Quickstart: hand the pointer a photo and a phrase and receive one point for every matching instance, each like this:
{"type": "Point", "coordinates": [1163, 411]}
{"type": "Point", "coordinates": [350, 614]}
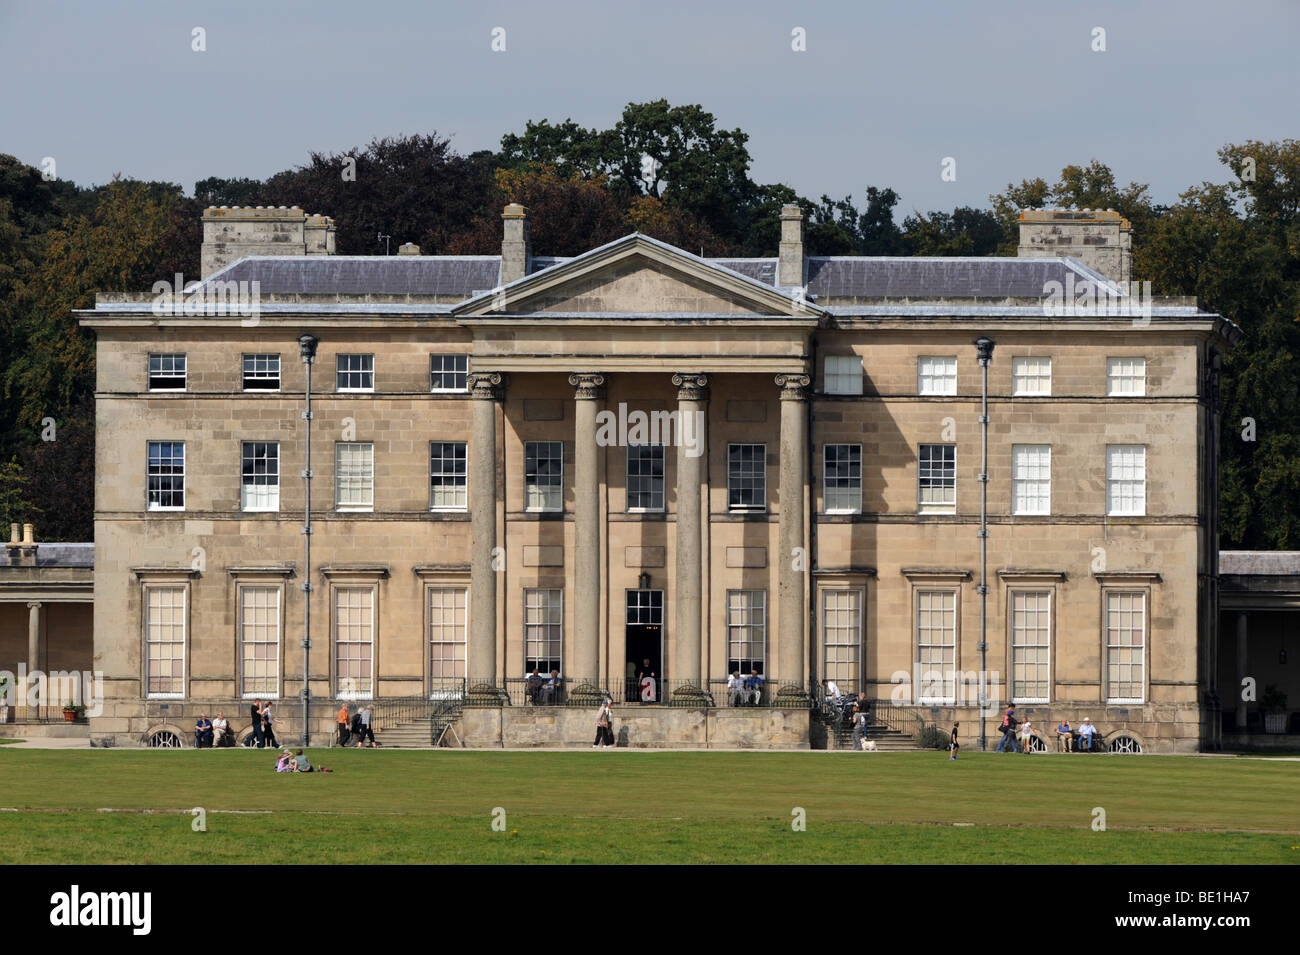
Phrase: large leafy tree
{"type": "Point", "coordinates": [411, 188]}
{"type": "Point", "coordinates": [1235, 247]}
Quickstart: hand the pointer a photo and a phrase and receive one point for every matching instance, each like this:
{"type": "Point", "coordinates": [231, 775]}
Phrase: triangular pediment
{"type": "Point", "coordinates": [637, 275]}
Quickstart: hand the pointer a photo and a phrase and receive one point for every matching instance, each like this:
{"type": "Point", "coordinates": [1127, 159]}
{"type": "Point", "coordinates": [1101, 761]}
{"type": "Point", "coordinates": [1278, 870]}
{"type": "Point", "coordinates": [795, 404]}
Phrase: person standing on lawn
{"type": "Point", "coordinates": [343, 725]}
{"type": "Point", "coordinates": [268, 733]}
{"type": "Point", "coordinates": [1008, 742]}
{"type": "Point", "coordinates": [604, 720]}
{"type": "Point", "coordinates": [953, 745]}
{"type": "Point", "coordinates": [255, 713]}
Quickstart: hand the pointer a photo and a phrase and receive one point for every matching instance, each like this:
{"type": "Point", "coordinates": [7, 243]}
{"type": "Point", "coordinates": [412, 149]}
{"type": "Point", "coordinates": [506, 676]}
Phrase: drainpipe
{"type": "Point", "coordinates": [984, 349]}
{"type": "Point", "coordinates": [812, 528]}
{"type": "Point", "coordinates": [307, 344]}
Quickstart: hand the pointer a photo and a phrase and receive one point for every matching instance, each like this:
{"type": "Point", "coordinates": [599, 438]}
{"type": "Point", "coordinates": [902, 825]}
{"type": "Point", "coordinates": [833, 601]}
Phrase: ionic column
{"type": "Point", "coordinates": [588, 389]}
{"type": "Point", "coordinates": [692, 400]}
{"type": "Point", "coordinates": [33, 651]}
{"type": "Point", "coordinates": [792, 562]}
{"type": "Point", "coordinates": [1241, 671]}
{"type": "Point", "coordinates": [485, 390]}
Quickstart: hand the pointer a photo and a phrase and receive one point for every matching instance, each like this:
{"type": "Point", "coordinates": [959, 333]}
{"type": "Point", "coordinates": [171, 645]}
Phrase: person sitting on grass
{"type": "Point", "coordinates": [202, 732]}
{"type": "Point", "coordinates": [300, 764]}
{"type": "Point", "coordinates": [284, 763]}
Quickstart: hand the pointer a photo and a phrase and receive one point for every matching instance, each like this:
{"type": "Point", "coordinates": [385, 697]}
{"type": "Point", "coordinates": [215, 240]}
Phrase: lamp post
{"type": "Point", "coordinates": [307, 345]}
{"type": "Point", "coordinates": [984, 350]}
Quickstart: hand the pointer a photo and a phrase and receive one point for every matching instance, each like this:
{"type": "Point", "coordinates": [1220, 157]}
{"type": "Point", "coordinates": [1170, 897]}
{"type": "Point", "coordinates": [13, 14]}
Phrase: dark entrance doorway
{"type": "Point", "coordinates": [645, 646]}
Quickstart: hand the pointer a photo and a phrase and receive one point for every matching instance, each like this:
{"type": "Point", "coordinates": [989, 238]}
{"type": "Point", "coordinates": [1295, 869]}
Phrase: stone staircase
{"type": "Point", "coordinates": [423, 733]}
{"type": "Point", "coordinates": [886, 739]}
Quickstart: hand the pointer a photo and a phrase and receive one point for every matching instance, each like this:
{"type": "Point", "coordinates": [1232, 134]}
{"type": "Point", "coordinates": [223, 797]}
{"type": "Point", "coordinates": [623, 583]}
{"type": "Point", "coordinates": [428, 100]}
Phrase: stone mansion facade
{"type": "Point", "coordinates": [640, 460]}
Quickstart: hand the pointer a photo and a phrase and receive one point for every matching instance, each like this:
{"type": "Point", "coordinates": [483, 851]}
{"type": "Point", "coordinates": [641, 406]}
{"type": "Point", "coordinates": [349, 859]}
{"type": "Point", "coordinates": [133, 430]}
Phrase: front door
{"type": "Point", "coordinates": [645, 646]}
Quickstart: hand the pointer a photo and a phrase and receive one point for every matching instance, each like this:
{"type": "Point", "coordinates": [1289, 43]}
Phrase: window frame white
{"type": "Point", "coordinates": [353, 507]}
{"type": "Point", "coordinates": [367, 368]}
{"type": "Point", "coordinates": [657, 482]}
{"type": "Point", "coordinates": [441, 373]}
{"type": "Point", "coordinates": [933, 379]}
{"type": "Point", "coordinates": [1120, 487]}
{"type": "Point", "coordinates": [159, 587]}
{"type": "Point", "coordinates": [852, 647]}
{"type": "Point", "coordinates": [551, 601]}
{"type": "Point", "coordinates": [175, 359]}
{"type": "Point", "coordinates": [459, 479]}
{"type": "Point", "coordinates": [371, 627]}
{"type": "Point", "coordinates": [245, 475]}
{"type": "Point", "coordinates": [842, 492]}
{"type": "Point", "coordinates": [748, 609]}
{"type": "Point", "coordinates": [534, 489]}
{"type": "Point", "coordinates": [1109, 646]}
{"type": "Point", "coordinates": [161, 475]}
{"type": "Point", "coordinates": [759, 478]}
{"type": "Point", "coordinates": [275, 617]}
{"type": "Point", "coordinates": [1117, 374]}
{"type": "Point", "coordinates": [923, 473]}
{"type": "Point", "coordinates": [842, 375]}
{"type": "Point", "coordinates": [1027, 377]}
{"type": "Point", "coordinates": [436, 619]}
{"type": "Point", "coordinates": [1031, 489]}
{"type": "Point", "coordinates": [1042, 612]}
{"type": "Point", "coordinates": [260, 375]}
{"type": "Point", "coordinates": [947, 651]}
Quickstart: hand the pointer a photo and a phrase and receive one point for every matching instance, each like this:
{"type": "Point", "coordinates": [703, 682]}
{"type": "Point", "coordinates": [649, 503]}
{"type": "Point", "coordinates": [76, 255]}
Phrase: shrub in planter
{"type": "Point", "coordinates": [1273, 703]}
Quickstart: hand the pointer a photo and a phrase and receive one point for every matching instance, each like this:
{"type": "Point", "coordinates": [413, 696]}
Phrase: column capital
{"type": "Point", "coordinates": [587, 385]}
{"type": "Point", "coordinates": [793, 387]}
{"type": "Point", "coordinates": [691, 387]}
{"type": "Point", "coordinates": [486, 385]}
{"type": "Point", "coordinates": [33, 605]}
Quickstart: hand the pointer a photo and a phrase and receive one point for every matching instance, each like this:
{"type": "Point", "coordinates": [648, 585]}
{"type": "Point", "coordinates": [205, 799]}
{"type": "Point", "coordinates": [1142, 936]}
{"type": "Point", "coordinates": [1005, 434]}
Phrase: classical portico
{"type": "Point", "coordinates": [675, 311]}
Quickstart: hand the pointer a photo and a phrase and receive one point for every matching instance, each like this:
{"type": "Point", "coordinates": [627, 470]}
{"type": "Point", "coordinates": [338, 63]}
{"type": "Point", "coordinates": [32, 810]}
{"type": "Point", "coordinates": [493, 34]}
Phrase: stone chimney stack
{"type": "Point", "coordinates": [230, 233]}
{"type": "Point", "coordinates": [516, 247]}
{"type": "Point", "coordinates": [790, 267]}
{"type": "Point", "coordinates": [22, 553]}
{"type": "Point", "coordinates": [1101, 239]}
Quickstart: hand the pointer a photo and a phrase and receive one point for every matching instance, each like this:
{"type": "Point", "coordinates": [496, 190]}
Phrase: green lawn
{"type": "Point", "coordinates": [391, 806]}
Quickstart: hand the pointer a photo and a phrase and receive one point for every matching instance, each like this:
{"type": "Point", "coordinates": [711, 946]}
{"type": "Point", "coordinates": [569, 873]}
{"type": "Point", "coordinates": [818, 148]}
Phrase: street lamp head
{"type": "Point", "coordinates": [307, 344]}
{"type": "Point", "coordinates": [984, 349]}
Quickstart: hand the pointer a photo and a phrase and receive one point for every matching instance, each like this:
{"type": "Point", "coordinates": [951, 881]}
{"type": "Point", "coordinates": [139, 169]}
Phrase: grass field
{"type": "Point", "coordinates": [699, 807]}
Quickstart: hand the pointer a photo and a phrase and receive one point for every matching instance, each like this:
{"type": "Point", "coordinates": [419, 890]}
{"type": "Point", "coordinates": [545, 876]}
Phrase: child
{"type": "Point", "coordinates": [282, 766]}
{"type": "Point", "coordinates": [953, 745]}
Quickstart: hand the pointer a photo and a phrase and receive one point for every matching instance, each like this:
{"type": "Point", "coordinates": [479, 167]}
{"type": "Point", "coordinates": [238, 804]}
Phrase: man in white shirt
{"type": "Point", "coordinates": [219, 727]}
{"type": "Point", "coordinates": [832, 691]}
{"type": "Point", "coordinates": [1085, 733]}
{"type": "Point", "coordinates": [735, 690]}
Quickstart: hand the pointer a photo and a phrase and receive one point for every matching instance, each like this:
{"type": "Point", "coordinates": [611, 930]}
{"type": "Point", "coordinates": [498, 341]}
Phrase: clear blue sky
{"type": "Point", "coordinates": [885, 90]}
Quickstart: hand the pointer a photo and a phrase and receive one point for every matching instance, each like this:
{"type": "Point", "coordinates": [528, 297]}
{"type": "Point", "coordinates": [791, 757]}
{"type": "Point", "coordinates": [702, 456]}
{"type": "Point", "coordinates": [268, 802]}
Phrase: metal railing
{"type": "Point", "coordinates": [713, 694]}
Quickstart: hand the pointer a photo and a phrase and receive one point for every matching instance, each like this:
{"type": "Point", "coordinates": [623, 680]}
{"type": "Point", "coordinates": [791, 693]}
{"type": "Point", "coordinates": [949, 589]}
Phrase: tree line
{"type": "Point", "coordinates": [666, 171]}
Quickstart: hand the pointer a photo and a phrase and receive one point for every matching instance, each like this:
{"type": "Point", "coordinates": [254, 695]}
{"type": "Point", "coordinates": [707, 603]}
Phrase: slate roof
{"type": "Point", "coordinates": [988, 277]}
{"type": "Point", "coordinates": [829, 278]}
{"type": "Point", "coordinates": [459, 275]}
{"type": "Point", "coordinates": [1280, 563]}
{"type": "Point", "coordinates": [58, 555]}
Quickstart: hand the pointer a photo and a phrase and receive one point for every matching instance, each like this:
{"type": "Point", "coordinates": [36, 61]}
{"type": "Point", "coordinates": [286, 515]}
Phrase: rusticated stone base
{"type": "Point", "coordinates": [636, 727]}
